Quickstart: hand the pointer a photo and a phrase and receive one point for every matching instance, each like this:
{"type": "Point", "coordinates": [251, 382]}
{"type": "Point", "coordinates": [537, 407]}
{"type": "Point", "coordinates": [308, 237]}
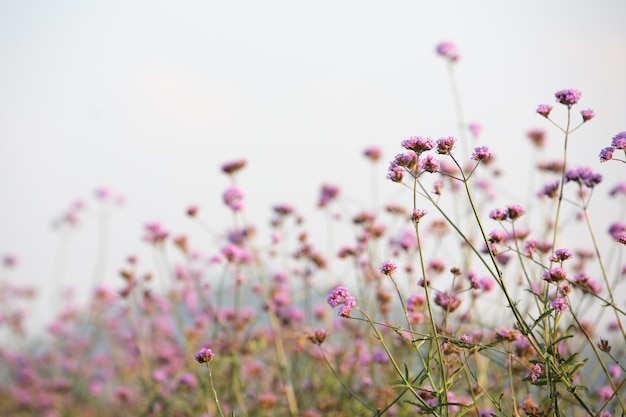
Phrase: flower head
{"type": "Point", "coordinates": [544, 109]}
{"type": "Point", "coordinates": [537, 137]}
{"type": "Point", "coordinates": [388, 268]}
{"type": "Point", "coordinates": [498, 214]}
{"type": "Point", "coordinates": [346, 308]}
{"type": "Point", "coordinates": [233, 198]}
{"type": "Point", "coordinates": [430, 164]}
{"type": "Point", "coordinates": [448, 50]}
{"type": "Point", "coordinates": [395, 173]}
{"type": "Point", "coordinates": [233, 166]}
{"type": "Point", "coordinates": [445, 145]}
{"type": "Point", "coordinates": [482, 153]}
{"type": "Point", "coordinates": [328, 193]}
{"type": "Point", "coordinates": [568, 97]}
{"type": "Point", "coordinates": [560, 255]}
{"type": "Point", "coordinates": [418, 144]}
{"type": "Point", "coordinates": [318, 336]}
{"type": "Point", "coordinates": [337, 296]}
{"type": "Point", "coordinates": [373, 153]}
{"type": "Point", "coordinates": [555, 275]}
{"type": "Point", "coordinates": [606, 154]}
{"type": "Point", "coordinates": [559, 304]}
{"type": "Point", "coordinates": [619, 141]}
{"type": "Point", "coordinates": [204, 355]}
{"type": "Point", "coordinates": [514, 211]}
{"type": "Point", "coordinates": [587, 115]}
{"type": "Point", "coordinates": [583, 176]}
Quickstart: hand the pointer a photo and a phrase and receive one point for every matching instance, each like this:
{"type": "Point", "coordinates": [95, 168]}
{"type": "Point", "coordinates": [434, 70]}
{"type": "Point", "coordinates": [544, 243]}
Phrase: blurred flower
{"type": "Point", "coordinates": [448, 50]}
{"type": "Point", "coordinates": [204, 355]}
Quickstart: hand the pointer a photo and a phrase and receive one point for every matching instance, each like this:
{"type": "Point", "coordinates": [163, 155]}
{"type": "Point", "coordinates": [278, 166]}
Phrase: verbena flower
{"type": "Point", "coordinates": [619, 141]}
{"type": "Point", "coordinates": [559, 304]}
{"type": "Point", "coordinates": [418, 144]}
{"type": "Point", "coordinates": [514, 211]}
{"type": "Point", "coordinates": [561, 255]}
{"type": "Point", "coordinates": [388, 268]}
{"type": "Point", "coordinates": [583, 176]}
{"type": "Point", "coordinates": [544, 109]}
{"type": "Point", "coordinates": [550, 190]}
{"type": "Point", "coordinates": [587, 115]}
{"type": "Point", "coordinates": [448, 50]}
{"type": "Point", "coordinates": [430, 164]}
{"type": "Point", "coordinates": [606, 154]}
{"type": "Point", "coordinates": [498, 214]}
{"type": "Point", "coordinates": [328, 193]}
{"type": "Point", "coordinates": [318, 336]}
{"type": "Point", "coordinates": [233, 166]}
{"type": "Point", "coordinates": [445, 145]}
{"type": "Point", "coordinates": [418, 214]}
{"type": "Point", "coordinates": [204, 355]}
{"type": "Point", "coordinates": [395, 173]}
{"type": "Point", "coordinates": [233, 198]}
{"type": "Point", "coordinates": [537, 137]}
{"type": "Point", "coordinates": [535, 372]}
{"type": "Point", "coordinates": [481, 153]}
{"type": "Point", "coordinates": [555, 275]}
{"type": "Point", "coordinates": [373, 153]}
{"type": "Point", "coordinates": [568, 97]}
{"type": "Point", "coordinates": [346, 308]}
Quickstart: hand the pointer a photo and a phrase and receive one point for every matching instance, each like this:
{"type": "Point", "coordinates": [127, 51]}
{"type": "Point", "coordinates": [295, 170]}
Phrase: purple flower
{"type": "Point", "coordinates": [568, 97]}
{"type": "Point", "coordinates": [418, 144]}
{"type": "Point", "coordinates": [537, 137]}
{"type": "Point", "coordinates": [544, 109]}
{"type": "Point", "coordinates": [318, 336]}
{"type": "Point", "coordinates": [550, 190]}
{"type": "Point", "coordinates": [559, 304]}
{"type": "Point", "coordinates": [587, 115]}
{"type": "Point", "coordinates": [498, 214]}
{"type": "Point", "coordinates": [388, 268]}
{"type": "Point", "coordinates": [418, 214]}
{"type": "Point", "coordinates": [535, 372]}
{"type": "Point", "coordinates": [233, 198]}
{"type": "Point", "coordinates": [560, 255]}
{"type": "Point", "coordinates": [616, 229]}
{"type": "Point", "coordinates": [233, 166]}
{"type": "Point", "coordinates": [447, 301]}
{"type": "Point", "coordinates": [583, 176]}
{"type": "Point", "coordinates": [414, 301]}
{"type": "Point", "coordinates": [618, 189]}
{"type": "Point", "coordinates": [395, 174]}
{"type": "Point", "coordinates": [482, 153]}
{"type": "Point", "coordinates": [619, 141]}
{"type": "Point", "coordinates": [373, 153]}
{"type": "Point", "coordinates": [508, 334]}
{"type": "Point", "coordinates": [621, 238]}
{"type": "Point", "coordinates": [204, 355]}
{"type": "Point", "coordinates": [606, 154]}
{"type": "Point", "coordinates": [430, 164]}
{"type": "Point", "coordinates": [445, 145]}
{"type": "Point", "coordinates": [556, 274]}
{"type": "Point", "coordinates": [514, 211]}
{"type": "Point", "coordinates": [582, 280]}
{"type": "Point", "coordinates": [338, 296]}
{"type": "Point", "coordinates": [347, 306]}
{"type": "Point", "coordinates": [327, 194]}
{"type": "Point", "coordinates": [448, 50]}
{"type": "Point", "coordinates": [496, 236]}
{"type": "Point", "coordinates": [406, 160]}
{"type": "Point", "coordinates": [475, 128]}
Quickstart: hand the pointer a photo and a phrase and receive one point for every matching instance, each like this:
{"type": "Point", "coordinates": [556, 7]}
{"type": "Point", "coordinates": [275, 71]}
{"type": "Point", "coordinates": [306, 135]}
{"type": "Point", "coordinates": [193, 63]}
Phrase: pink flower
{"type": "Point", "coordinates": [482, 153]}
{"type": "Point", "coordinates": [568, 97]}
{"type": "Point", "coordinates": [373, 153]}
{"type": "Point", "coordinates": [388, 268]}
{"type": "Point", "coordinates": [448, 50]}
{"type": "Point", "coordinates": [606, 154]}
{"type": "Point", "coordinates": [233, 198]}
{"type": "Point", "coordinates": [327, 194]}
{"type": "Point", "coordinates": [544, 109]}
{"type": "Point", "coordinates": [559, 304]}
{"type": "Point", "coordinates": [430, 164]}
{"type": "Point", "coordinates": [204, 355]}
{"type": "Point", "coordinates": [233, 166]}
{"type": "Point", "coordinates": [445, 145]}
{"type": "Point", "coordinates": [619, 141]}
{"type": "Point", "coordinates": [587, 115]}
{"type": "Point", "coordinates": [418, 144]}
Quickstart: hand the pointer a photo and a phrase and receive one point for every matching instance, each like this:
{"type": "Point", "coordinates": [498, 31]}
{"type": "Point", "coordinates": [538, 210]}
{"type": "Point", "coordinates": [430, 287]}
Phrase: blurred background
{"type": "Point", "coordinates": [145, 100]}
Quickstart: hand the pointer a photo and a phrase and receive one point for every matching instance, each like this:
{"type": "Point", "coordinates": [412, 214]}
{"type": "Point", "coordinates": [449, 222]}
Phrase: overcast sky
{"type": "Point", "coordinates": [149, 98]}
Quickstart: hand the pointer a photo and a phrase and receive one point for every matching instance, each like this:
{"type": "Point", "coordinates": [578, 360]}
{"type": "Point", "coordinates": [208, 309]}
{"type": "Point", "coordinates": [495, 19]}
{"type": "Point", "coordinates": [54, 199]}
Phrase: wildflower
{"type": "Point", "coordinates": [373, 153]}
{"type": "Point", "coordinates": [583, 176]}
{"type": "Point", "coordinates": [233, 198]}
{"type": "Point", "coordinates": [318, 336]}
{"type": "Point", "coordinates": [496, 236]}
{"type": "Point", "coordinates": [388, 268]}
{"type": "Point", "coordinates": [619, 141]}
{"type": "Point", "coordinates": [337, 296]}
{"type": "Point", "coordinates": [606, 154]}
{"type": "Point", "coordinates": [204, 355]}
{"type": "Point", "coordinates": [535, 372]}
{"type": "Point", "coordinates": [448, 50]}
{"type": "Point", "coordinates": [514, 211]}
{"type": "Point", "coordinates": [155, 233]}
{"type": "Point", "coordinates": [233, 166]}
{"type": "Point", "coordinates": [616, 229]}
{"type": "Point", "coordinates": [482, 153]}
{"type": "Point", "coordinates": [406, 160]}
{"type": "Point", "coordinates": [550, 190]}
{"type": "Point", "coordinates": [621, 238]}
{"type": "Point", "coordinates": [587, 115]}
{"type": "Point", "coordinates": [561, 255]}
{"type": "Point", "coordinates": [537, 137]}
{"type": "Point", "coordinates": [445, 145]}
{"type": "Point", "coordinates": [475, 128]}
{"type": "Point", "coordinates": [559, 304]}
{"type": "Point", "coordinates": [498, 214]}
{"type": "Point", "coordinates": [544, 109]}
{"type": "Point", "coordinates": [508, 334]}
{"type": "Point", "coordinates": [395, 174]}
{"type": "Point", "coordinates": [568, 97]}
{"type": "Point", "coordinates": [430, 164]}
{"type": "Point", "coordinates": [447, 301]}
{"type": "Point", "coordinates": [414, 301]}
{"type": "Point", "coordinates": [418, 214]}
{"type": "Point", "coordinates": [418, 144]}
{"type": "Point", "coordinates": [582, 280]}
{"type": "Point", "coordinates": [555, 275]}
{"type": "Point", "coordinates": [328, 193]}
{"type": "Point", "coordinates": [346, 308]}
{"type": "Point", "coordinates": [192, 210]}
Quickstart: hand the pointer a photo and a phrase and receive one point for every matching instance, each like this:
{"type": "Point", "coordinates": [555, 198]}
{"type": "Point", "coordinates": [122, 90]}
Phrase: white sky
{"type": "Point", "coordinates": [149, 98]}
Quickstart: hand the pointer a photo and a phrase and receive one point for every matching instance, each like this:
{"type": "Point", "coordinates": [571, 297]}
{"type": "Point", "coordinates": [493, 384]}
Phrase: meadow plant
{"type": "Point", "coordinates": [451, 304]}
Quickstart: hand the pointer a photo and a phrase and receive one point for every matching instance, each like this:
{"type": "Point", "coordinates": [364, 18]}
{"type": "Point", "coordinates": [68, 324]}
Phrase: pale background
{"type": "Point", "coordinates": [149, 98]}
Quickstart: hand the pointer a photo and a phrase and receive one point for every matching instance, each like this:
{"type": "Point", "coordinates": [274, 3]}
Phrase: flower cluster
{"type": "Point", "coordinates": [340, 296]}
